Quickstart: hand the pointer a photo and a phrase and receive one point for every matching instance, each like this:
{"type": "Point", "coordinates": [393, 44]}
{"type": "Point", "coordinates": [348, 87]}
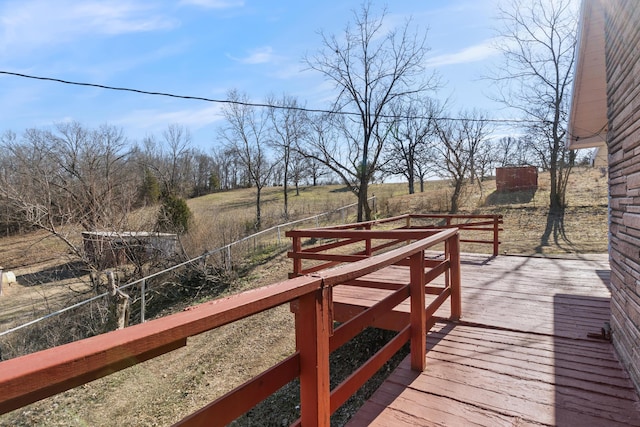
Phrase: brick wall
{"type": "Point", "coordinates": [623, 92]}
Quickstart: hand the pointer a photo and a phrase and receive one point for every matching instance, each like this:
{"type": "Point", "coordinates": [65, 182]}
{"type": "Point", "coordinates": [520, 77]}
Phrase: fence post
{"type": "Point", "coordinates": [143, 299]}
{"type": "Point", "coordinates": [454, 265]}
{"type": "Point", "coordinates": [496, 241]}
{"type": "Point", "coordinates": [1, 280]}
{"type": "Point", "coordinates": [418, 314]}
{"type": "Point", "coordinates": [228, 263]}
{"type": "Point", "coordinates": [368, 241]}
{"type": "Point", "coordinates": [296, 244]}
{"type": "Point", "coordinates": [312, 341]}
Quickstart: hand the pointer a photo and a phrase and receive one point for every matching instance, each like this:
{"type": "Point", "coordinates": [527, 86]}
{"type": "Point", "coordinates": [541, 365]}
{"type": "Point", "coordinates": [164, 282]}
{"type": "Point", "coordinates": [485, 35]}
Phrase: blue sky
{"type": "Point", "coordinates": [204, 48]}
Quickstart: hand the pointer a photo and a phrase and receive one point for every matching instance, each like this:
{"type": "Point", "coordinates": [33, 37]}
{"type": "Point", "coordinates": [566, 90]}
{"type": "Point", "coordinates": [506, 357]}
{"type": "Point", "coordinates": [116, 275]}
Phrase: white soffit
{"type": "Point", "coordinates": [588, 116]}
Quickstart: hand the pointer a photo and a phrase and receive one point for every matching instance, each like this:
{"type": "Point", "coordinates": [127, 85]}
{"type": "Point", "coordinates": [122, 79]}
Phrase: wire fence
{"type": "Point", "coordinates": [225, 257]}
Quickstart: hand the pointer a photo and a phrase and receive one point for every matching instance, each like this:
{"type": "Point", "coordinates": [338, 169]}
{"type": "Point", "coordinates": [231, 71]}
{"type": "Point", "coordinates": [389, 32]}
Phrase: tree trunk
{"type": "Point", "coordinates": [412, 177]}
{"type": "Point", "coordinates": [119, 305]}
{"type": "Point", "coordinates": [455, 197]}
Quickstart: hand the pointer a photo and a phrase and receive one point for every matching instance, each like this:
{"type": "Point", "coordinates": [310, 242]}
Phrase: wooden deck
{"type": "Point", "coordinates": [520, 355]}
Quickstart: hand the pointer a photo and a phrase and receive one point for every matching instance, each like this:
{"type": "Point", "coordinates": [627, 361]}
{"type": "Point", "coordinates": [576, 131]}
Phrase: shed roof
{"type": "Point", "coordinates": [588, 116]}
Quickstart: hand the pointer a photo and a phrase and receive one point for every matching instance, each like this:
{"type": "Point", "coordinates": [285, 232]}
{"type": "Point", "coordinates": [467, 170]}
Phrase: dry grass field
{"type": "Point", "coordinates": [163, 390]}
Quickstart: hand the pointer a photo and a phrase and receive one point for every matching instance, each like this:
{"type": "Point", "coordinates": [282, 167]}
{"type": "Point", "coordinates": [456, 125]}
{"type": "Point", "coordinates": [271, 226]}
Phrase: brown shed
{"type": "Point", "coordinates": [110, 249]}
{"type": "Point", "coordinates": [516, 178]}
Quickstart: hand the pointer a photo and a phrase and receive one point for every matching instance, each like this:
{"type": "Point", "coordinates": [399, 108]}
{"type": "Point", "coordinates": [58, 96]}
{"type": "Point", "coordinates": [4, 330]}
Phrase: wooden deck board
{"type": "Point", "coordinates": [520, 356]}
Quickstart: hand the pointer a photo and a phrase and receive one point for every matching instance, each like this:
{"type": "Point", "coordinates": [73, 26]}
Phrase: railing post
{"type": "Point", "coordinates": [312, 341]}
{"type": "Point", "coordinates": [496, 241]}
{"type": "Point", "coordinates": [368, 241]}
{"type": "Point", "coordinates": [296, 244]}
{"type": "Point", "coordinates": [418, 314]}
{"type": "Point", "coordinates": [454, 262]}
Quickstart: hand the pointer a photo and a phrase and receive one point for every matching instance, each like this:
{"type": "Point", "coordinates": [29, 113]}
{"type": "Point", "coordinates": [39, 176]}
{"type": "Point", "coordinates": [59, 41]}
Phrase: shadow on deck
{"type": "Point", "coordinates": [519, 356]}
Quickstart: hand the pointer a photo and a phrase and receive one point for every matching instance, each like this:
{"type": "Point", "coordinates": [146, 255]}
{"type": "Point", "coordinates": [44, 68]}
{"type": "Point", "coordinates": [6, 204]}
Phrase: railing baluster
{"type": "Point", "coordinates": [454, 259]}
{"type": "Point", "coordinates": [496, 242]}
{"type": "Point", "coordinates": [418, 314]}
{"type": "Point", "coordinates": [312, 341]}
{"type": "Point", "coordinates": [296, 247]}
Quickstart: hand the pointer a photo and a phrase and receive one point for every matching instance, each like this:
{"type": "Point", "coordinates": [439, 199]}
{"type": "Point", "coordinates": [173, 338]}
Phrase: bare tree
{"type": "Point", "coordinates": [454, 156]}
{"type": "Point", "coordinates": [370, 69]}
{"type": "Point", "coordinates": [288, 126]}
{"type": "Point", "coordinates": [409, 133]}
{"type": "Point", "coordinates": [177, 141]}
{"type": "Point", "coordinates": [70, 175]}
{"type": "Point", "coordinates": [512, 151]}
{"type": "Point", "coordinates": [227, 167]}
{"type": "Point", "coordinates": [245, 136]}
{"type": "Point", "coordinates": [538, 42]}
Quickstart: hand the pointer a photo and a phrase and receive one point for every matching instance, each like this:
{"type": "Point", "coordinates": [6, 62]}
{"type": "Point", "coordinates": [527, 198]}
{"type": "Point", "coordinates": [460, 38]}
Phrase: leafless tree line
{"type": "Point", "coordinates": [95, 177]}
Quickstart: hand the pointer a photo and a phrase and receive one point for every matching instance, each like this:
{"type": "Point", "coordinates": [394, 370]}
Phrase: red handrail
{"type": "Point", "coordinates": [32, 377]}
{"type": "Point", "coordinates": [471, 222]}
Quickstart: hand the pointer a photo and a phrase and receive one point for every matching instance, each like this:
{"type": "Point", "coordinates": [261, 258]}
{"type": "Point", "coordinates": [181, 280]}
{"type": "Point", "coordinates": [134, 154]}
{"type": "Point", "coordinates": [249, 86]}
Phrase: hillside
{"type": "Point", "coordinates": [165, 389]}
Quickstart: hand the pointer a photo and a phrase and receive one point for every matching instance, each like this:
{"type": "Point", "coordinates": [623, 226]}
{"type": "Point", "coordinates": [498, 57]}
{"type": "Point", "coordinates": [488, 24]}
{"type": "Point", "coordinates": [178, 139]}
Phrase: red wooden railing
{"type": "Point", "coordinates": [33, 377]}
{"type": "Point", "coordinates": [487, 224]}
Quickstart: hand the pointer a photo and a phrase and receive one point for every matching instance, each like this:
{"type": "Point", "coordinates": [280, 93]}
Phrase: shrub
{"type": "Point", "coordinates": [174, 215]}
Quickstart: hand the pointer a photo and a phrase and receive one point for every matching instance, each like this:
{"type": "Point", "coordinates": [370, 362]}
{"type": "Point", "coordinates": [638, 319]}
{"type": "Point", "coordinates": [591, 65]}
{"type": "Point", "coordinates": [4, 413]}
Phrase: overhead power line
{"type": "Point", "coordinates": [248, 104]}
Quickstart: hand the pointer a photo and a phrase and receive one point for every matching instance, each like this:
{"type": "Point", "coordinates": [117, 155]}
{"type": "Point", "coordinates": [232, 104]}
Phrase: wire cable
{"type": "Point", "coordinates": [251, 104]}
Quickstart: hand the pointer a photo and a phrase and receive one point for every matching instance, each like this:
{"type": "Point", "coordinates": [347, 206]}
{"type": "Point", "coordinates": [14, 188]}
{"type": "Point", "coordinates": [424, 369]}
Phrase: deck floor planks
{"type": "Point", "coordinates": [520, 356]}
{"type": "Point", "coordinates": [570, 300]}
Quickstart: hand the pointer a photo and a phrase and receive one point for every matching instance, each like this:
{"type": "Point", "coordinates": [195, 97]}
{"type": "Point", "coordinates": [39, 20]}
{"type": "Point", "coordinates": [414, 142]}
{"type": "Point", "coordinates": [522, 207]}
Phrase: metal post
{"type": "Point", "coordinates": [143, 299]}
{"type": "Point", "coordinates": [1, 279]}
{"type": "Point", "coordinates": [228, 263]}
{"type": "Point", "coordinates": [279, 241]}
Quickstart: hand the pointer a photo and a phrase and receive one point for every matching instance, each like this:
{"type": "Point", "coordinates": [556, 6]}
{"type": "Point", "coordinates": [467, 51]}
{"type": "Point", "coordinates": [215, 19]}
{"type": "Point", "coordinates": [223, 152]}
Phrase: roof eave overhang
{"type": "Point", "coordinates": [588, 115]}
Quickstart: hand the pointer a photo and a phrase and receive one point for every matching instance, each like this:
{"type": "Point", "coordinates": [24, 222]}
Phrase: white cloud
{"type": "Point", "coordinates": [214, 4]}
{"type": "Point", "coordinates": [261, 55]}
{"type": "Point", "coordinates": [32, 24]}
{"type": "Point", "coordinates": [469, 54]}
{"type": "Point", "coordinates": [154, 120]}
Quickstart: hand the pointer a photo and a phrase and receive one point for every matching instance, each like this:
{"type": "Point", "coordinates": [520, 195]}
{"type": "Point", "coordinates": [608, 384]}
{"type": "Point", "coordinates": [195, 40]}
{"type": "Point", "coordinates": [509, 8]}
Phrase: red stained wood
{"type": "Point", "coordinates": [312, 342]}
{"type": "Point", "coordinates": [67, 366]}
{"type": "Point", "coordinates": [520, 356]}
{"type": "Point", "coordinates": [418, 316]}
{"type": "Point", "coordinates": [349, 386]}
{"type": "Point", "coordinates": [223, 410]}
